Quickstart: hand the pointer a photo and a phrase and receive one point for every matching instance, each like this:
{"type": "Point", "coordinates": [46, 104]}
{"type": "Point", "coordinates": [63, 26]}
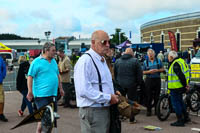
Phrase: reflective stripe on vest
{"type": "Point", "coordinates": [173, 80]}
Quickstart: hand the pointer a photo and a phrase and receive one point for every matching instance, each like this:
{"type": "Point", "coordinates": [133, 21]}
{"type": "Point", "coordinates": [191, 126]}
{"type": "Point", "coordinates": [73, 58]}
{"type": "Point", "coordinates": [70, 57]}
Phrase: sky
{"type": "Point", "coordinates": [31, 18]}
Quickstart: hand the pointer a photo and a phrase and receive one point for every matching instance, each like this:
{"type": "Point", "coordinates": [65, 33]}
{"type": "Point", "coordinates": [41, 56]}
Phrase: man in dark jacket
{"type": "Point", "coordinates": [178, 82]}
{"type": "Point", "coordinates": [128, 74]}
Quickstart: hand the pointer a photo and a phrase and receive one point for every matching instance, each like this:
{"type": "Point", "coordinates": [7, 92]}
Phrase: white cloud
{"type": "Point", "coordinates": [78, 17]}
{"type": "Point", "coordinates": [134, 9]}
{"type": "Point", "coordinates": [8, 27]}
{"type": "Point", "coordinates": [6, 15]}
{"type": "Point", "coordinates": [41, 14]}
{"type": "Point", "coordinates": [36, 30]}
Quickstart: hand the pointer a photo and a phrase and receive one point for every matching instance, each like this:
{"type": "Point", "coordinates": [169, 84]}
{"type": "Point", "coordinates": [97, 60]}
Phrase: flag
{"type": "Point", "coordinates": [172, 41]}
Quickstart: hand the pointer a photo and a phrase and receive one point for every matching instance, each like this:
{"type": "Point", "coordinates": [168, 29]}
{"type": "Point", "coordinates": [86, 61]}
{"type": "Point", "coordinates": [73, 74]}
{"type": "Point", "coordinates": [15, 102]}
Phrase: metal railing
{"type": "Point", "coordinates": [9, 83]}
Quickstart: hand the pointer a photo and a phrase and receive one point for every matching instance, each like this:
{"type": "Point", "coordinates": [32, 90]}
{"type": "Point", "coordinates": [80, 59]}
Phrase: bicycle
{"type": "Point", "coordinates": [46, 115]}
{"type": "Point", "coordinates": [164, 106]}
{"type": "Point", "coordinates": [194, 97]}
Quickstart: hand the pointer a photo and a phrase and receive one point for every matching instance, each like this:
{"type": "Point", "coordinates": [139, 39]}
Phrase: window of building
{"type": "Point", "coordinates": [141, 38]}
{"type": "Point", "coordinates": [198, 33]}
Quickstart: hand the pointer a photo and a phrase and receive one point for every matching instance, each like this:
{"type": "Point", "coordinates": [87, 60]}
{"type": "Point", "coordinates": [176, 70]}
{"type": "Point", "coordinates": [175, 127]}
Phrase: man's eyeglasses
{"type": "Point", "coordinates": [104, 42]}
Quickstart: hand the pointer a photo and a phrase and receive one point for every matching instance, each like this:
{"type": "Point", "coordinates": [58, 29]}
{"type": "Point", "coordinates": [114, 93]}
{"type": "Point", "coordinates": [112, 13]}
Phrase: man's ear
{"type": "Point", "coordinates": [93, 41]}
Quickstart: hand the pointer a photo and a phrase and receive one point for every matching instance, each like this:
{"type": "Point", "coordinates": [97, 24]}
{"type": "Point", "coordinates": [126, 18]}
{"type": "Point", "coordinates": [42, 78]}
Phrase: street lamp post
{"type": "Point", "coordinates": [47, 34]}
{"type": "Point", "coordinates": [39, 41]}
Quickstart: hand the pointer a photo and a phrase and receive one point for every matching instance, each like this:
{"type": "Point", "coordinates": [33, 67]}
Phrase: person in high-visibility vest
{"type": "Point", "coordinates": [178, 83]}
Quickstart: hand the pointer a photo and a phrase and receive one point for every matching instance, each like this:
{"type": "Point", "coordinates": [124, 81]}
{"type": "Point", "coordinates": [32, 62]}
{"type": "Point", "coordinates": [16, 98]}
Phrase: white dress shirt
{"type": "Point", "coordinates": [87, 83]}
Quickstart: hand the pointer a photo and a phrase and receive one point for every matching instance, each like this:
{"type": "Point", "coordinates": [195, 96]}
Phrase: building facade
{"type": "Point", "coordinates": [186, 28]}
{"type": "Point", "coordinates": [24, 45]}
{"type": "Point", "coordinates": [76, 44]}
{"type": "Point", "coordinates": [62, 42]}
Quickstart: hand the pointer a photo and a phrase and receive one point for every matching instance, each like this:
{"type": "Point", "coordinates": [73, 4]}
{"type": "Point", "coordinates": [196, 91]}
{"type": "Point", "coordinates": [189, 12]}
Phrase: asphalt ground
{"type": "Point", "coordinates": [69, 121]}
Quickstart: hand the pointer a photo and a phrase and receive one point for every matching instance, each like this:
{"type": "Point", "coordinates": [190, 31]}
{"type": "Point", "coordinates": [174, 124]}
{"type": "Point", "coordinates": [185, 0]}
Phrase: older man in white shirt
{"type": "Point", "coordinates": [94, 103]}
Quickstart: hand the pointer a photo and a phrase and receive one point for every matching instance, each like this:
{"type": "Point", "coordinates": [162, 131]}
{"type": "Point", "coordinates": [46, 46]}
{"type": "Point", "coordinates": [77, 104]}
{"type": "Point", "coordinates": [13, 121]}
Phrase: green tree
{"type": "Point", "coordinates": [118, 38]}
{"type": "Point", "coordinates": [7, 36]}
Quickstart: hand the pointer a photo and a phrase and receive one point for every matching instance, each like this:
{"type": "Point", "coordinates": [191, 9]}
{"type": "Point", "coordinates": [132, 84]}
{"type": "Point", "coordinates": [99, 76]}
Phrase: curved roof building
{"type": "Point", "coordinates": [186, 28]}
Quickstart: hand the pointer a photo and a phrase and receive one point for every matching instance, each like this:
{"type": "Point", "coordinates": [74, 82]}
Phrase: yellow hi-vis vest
{"type": "Point", "coordinates": [173, 80]}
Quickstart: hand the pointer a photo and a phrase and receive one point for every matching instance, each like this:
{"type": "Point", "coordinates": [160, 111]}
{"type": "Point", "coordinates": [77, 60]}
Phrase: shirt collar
{"type": "Point", "coordinates": [95, 54]}
{"type": "Point", "coordinates": [42, 57]}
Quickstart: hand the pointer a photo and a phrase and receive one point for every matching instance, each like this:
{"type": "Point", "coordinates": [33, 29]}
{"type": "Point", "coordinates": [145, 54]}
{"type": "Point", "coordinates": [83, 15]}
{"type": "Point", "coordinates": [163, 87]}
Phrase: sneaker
{"type": "Point", "coordinates": [56, 115]}
{"type": "Point", "coordinates": [133, 122]}
{"type": "Point", "coordinates": [61, 104]}
{"type": "Point", "coordinates": [132, 119]}
{"type": "Point", "coordinates": [20, 113]}
{"type": "Point", "coordinates": [3, 118]}
{"type": "Point", "coordinates": [178, 124]}
{"type": "Point", "coordinates": [66, 106]}
{"type": "Point", "coordinates": [187, 120]}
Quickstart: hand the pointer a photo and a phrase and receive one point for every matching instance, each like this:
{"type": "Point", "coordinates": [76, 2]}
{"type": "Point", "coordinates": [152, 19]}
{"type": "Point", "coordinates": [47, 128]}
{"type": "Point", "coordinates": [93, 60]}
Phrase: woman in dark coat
{"type": "Point", "coordinates": [22, 85]}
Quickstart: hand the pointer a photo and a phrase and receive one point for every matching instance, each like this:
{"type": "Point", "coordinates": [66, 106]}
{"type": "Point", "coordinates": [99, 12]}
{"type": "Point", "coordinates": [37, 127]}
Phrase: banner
{"type": "Point", "coordinates": [172, 41]}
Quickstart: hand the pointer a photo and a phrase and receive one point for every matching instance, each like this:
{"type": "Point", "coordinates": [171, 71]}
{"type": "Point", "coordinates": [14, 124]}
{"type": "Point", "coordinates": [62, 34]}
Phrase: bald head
{"type": "Point", "coordinates": [99, 34]}
{"type": "Point", "coordinates": [129, 51]}
{"type": "Point", "coordinates": [100, 42]}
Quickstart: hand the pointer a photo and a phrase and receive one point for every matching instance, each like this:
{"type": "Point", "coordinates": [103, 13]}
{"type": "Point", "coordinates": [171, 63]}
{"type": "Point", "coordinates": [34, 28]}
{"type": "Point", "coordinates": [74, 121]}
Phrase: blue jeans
{"type": "Point", "coordinates": [43, 101]}
{"type": "Point", "coordinates": [26, 102]}
{"type": "Point", "coordinates": [177, 102]}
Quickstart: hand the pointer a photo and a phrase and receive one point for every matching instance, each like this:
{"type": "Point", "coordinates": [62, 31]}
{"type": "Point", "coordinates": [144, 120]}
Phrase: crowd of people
{"type": "Point", "coordinates": [99, 81]}
{"type": "Point", "coordinates": [93, 95]}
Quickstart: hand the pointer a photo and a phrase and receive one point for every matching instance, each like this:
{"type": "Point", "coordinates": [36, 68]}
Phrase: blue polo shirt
{"type": "Point", "coordinates": [157, 64]}
{"type": "Point", "coordinates": [45, 77]}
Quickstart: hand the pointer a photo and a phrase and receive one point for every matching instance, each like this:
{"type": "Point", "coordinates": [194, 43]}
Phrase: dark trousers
{"type": "Point", "coordinates": [131, 93]}
{"type": "Point", "coordinates": [177, 102]}
{"type": "Point", "coordinates": [43, 101]}
{"type": "Point", "coordinates": [26, 102]}
{"type": "Point", "coordinates": [152, 90]}
{"type": "Point", "coordinates": [67, 95]}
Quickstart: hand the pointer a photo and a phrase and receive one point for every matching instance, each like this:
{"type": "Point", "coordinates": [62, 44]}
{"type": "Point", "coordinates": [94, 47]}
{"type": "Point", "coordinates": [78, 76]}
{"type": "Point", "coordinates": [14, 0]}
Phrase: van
{"type": "Point", "coordinates": [9, 59]}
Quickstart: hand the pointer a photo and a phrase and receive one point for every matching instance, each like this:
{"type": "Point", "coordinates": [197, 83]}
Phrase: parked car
{"type": "Point", "coordinates": [8, 56]}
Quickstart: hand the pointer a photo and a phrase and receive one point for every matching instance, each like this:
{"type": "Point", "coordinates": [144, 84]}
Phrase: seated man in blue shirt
{"type": "Point", "coordinates": [43, 79]}
{"type": "Point", "coordinates": [152, 68]}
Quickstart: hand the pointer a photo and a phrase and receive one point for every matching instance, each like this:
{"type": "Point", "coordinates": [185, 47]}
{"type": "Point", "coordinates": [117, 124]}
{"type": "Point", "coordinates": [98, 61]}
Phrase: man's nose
{"type": "Point", "coordinates": [107, 44]}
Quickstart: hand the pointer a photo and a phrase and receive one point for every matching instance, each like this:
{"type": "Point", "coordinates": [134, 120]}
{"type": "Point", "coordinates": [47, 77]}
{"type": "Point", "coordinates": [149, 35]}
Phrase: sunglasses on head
{"type": "Point", "coordinates": [104, 42]}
